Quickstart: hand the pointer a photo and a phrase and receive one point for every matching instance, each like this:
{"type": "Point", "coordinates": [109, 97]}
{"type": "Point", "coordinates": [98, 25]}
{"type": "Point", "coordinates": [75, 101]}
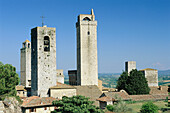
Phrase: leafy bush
{"type": "Point", "coordinates": [149, 107]}
{"type": "Point", "coordinates": [75, 104]}
{"type": "Point", "coordinates": [110, 107]}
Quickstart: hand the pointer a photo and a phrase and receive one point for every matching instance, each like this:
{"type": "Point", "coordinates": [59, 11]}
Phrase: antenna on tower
{"type": "Point", "coordinates": [42, 20]}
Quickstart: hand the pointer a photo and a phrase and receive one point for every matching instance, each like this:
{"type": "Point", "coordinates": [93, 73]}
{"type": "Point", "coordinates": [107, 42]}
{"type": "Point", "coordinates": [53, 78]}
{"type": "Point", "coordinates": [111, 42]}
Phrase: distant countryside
{"type": "Point", "coordinates": [110, 79]}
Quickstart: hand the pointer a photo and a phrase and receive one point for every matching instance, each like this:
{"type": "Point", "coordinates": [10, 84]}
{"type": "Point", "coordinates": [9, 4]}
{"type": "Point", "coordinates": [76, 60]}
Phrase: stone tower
{"type": "Point", "coordinates": [43, 61]}
{"type": "Point", "coordinates": [129, 65]}
{"type": "Point", "coordinates": [25, 64]}
{"type": "Point", "coordinates": [87, 65]}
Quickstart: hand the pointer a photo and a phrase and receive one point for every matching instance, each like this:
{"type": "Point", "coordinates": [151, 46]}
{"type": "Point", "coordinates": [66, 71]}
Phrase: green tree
{"type": "Point", "coordinates": [149, 107]}
{"type": "Point", "coordinates": [75, 104]}
{"type": "Point", "coordinates": [122, 81]}
{"type": "Point", "coordinates": [8, 80]}
{"type": "Point", "coordinates": [134, 84]}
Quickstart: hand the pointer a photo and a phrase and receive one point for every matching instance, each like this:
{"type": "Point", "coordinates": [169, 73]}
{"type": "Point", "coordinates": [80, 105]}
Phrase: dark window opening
{"type": "Point", "coordinates": [88, 32]}
{"type": "Point", "coordinates": [46, 43]}
{"type": "Point", "coordinates": [28, 45]}
{"type": "Point", "coordinates": [86, 19]}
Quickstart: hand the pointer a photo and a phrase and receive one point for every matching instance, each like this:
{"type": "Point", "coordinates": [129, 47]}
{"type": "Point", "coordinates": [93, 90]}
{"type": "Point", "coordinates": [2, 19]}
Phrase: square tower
{"type": "Point", "coordinates": [87, 65]}
{"type": "Point", "coordinates": [43, 60]}
{"type": "Point", "coordinates": [151, 76]}
{"type": "Point", "coordinates": [129, 65]}
{"type": "Point", "coordinates": [25, 64]}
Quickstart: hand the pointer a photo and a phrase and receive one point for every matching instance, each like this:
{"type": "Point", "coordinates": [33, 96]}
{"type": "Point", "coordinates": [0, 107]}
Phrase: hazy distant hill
{"type": "Point", "coordinates": [164, 73]}
{"type": "Point", "coordinates": [160, 73]}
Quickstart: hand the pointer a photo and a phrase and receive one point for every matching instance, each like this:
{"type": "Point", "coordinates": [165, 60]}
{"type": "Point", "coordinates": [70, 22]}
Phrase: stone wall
{"type": "Point", "coordinates": [59, 93]}
{"type": "Point", "coordinates": [129, 65]}
{"type": "Point", "coordinates": [43, 60]}
{"type": "Point", "coordinates": [25, 64]}
{"type": "Point", "coordinates": [87, 65]}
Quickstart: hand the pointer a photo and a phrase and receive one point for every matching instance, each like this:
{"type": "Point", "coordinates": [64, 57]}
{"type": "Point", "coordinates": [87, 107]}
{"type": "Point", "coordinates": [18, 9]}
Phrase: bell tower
{"type": "Point", "coordinates": [43, 60]}
{"type": "Point", "coordinates": [87, 65]}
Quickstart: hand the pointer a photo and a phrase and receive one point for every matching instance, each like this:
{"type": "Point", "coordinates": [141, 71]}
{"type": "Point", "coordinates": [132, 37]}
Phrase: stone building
{"type": "Point", "coordinates": [43, 60]}
{"type": "Point", "coordinates": [72, 77]}
{"type": "Point", "coordinates": [151, 75]}
{"type": "Point", "coordinates": [61, 90]}
{"type": "Point", "coordinates": [60, 76]}
{"type": "Point", "coordinates": [129, 65]}
{"type": "Point", "coordinates": [25, 64]}
{"type": "Point", "coordinates": [87, 65]}
{"type": "Point", "coordinates": [35, 104]}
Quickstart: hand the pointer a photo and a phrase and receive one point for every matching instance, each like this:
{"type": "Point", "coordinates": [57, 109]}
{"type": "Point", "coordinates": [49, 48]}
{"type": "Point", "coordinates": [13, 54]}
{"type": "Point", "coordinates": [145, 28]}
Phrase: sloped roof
{"type": "Point", "coordinates": [123, 95]}
{"type": "Point", "coordinates": [91, 91]}
{"type": "Point", "coordinates": [20, 88]}
{"type": "Point", "coordinates": [141, 97]}
{"type": "Point", "coordinates": [147, 69]}
{"type": "Point", "coordinates": [105, 99]}
{"type": "Point", "coordinates": [37, 101]}
{"type": "Point", "coordinates": [27, 41]}
{"type": "Point", "coordinates": [158, 91]}
{"type": "Point", "coordinates": [62, 86]}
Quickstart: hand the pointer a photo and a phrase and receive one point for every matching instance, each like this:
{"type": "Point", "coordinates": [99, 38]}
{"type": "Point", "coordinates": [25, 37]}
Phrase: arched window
{"type": "Point", "coordinates": [46, 43]}
{"type": "Point", "coordinates": [86, 19]}
{"type": "Point", "coordinates": [28, 45]}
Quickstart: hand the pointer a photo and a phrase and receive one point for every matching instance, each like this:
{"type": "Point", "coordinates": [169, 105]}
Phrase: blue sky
{"type": "Point", "coordinates": [136, 30]}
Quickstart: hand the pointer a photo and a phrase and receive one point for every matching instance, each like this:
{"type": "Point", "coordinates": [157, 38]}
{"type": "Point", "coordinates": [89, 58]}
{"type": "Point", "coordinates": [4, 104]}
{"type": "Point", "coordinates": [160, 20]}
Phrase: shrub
{"type": "Point", "coordinates": [110, 107]}
{"type": "Point", "coordinates": [149, 107]}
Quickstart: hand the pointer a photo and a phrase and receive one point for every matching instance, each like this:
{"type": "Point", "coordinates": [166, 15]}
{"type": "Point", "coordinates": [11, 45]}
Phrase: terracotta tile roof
{"type": "Point", "coordinates": [123, 95]}
{"type": "Point", "coordinates": [20, 88]}
{"type": "Point", "coordinates": [160, 97]}
{"type": "Point", "coordinates": [62, 86]}
{"type": "Point", "coordinates": [142, 97]}
{"type": "Point", "coordinates": [163, 90]}
{"type": "Point", "coordinates": [91, 91]}
{"type": "Point", "coordinates": [147, 69]}
{"type": "Point", "coordinates": [27, 40]}
{"type": "Point", "coordinates": [37, 101]}
{"type": "Point", "coordinates": [105, 99]}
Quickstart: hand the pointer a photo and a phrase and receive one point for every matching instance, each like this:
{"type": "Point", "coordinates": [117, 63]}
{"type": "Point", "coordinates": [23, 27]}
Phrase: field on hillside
{"type": "Point", "coordinates": [137, 106]}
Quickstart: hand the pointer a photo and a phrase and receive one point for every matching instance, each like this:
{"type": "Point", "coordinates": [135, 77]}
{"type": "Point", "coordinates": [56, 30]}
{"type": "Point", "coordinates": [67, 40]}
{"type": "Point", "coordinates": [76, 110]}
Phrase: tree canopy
{"type": "Point", "coordinates": [75, 104]}
{"type": "Point", "coordinates": [8, 80]}
{"type": "Point", "coordinates": [134, 84]}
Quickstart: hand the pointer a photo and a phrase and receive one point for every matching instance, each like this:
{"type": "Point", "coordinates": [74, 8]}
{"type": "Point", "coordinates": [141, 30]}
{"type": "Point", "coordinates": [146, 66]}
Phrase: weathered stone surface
{"type": "Point", "coordinates": [2, 107]}
{"type": "Point", "coordinates": [129, 65]}
{"type": "Point", "coordinates": [25, 64]}
{"type": "Point", "coordinates": [43, 60]}
{"type": "Point", "coordinates": [87, 65]}
{"type": "Point", "coordinates": [151, 76]}
{"type": "Point", "coordinates": [11, 105]}
{"type": "Point", "coordinates": [60, 76]}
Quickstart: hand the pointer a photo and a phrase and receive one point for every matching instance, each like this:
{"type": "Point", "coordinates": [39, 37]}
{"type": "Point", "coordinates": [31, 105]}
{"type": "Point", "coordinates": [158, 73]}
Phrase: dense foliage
{"type": "Point", "coordinates": [134, 84]}
{"type": "Point", "coordinates": [149, 107]}
{"type": "Point", "coordinates": [8, 80]}
{"type": "Point", "coordinates": [75, 104]}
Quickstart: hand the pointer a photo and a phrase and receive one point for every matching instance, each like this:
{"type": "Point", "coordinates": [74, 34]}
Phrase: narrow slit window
{"type": "Point", "coordinates": [46, 43]}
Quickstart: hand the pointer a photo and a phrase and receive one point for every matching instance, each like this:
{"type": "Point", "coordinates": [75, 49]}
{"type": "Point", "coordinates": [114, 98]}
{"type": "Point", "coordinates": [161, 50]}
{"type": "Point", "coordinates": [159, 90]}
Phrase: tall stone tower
{"type": "Point", "coordinates": [25, 64]}
{"type": "Point", "coordinates": [129, 65]}
{"type": "Point", "coordinates": [43, 62]}
{"type": "Point", "coordinates": [87, 66]}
